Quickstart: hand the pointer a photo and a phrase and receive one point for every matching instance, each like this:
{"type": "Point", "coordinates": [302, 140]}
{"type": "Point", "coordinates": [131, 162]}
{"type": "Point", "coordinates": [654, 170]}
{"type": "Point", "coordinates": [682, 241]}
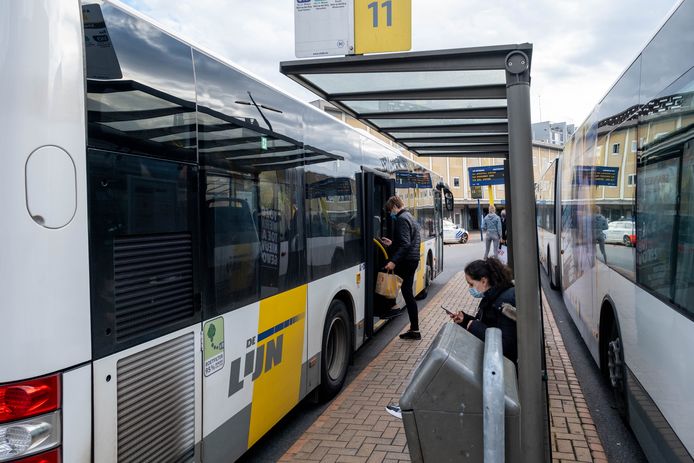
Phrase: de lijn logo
{"type": "Point", "coordinates": [260, 359]}
{"type": "Point", "coordinates": [302, 1]}
{"type": "Point", "coordinates": [213, 332]}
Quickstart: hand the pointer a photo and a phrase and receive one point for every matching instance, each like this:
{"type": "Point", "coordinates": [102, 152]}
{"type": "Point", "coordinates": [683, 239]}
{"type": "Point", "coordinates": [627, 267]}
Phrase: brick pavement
{"type": "Point", "coordinates": [356, 428]}
{"type": "Point", "coordinates": [573, 434]}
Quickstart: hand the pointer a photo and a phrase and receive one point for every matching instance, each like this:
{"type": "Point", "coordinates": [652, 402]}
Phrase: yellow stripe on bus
{"type": "Point", "coordinates": [281, 338]}
{"type": "Point", "coordinates": [421, 270]}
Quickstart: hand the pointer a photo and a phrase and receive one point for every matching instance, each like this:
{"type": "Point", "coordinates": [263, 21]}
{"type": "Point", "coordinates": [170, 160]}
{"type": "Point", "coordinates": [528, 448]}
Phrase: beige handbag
{"type": "Point", "coordinates": [388, 284]}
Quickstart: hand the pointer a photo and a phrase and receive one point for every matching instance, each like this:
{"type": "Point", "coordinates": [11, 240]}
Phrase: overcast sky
{"type": "Point", "coordinates": [580, 47]}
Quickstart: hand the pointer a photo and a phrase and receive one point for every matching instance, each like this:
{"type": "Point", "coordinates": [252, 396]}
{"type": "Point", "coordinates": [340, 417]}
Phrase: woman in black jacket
{"type": "Point", "coordinates": [492, 281]}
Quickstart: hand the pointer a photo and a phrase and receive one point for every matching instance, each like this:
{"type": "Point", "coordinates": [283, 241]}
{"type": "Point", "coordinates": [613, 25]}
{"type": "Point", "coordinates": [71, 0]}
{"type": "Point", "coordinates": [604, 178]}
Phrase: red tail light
{"type": "Point", "coordinates": [29, 398]}
{"type": "Point", "coordinates": [52, 456]}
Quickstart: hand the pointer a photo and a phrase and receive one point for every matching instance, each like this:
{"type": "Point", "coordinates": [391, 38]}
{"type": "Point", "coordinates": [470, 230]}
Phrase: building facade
{"type": "Point", "coordinates": [454, 170]}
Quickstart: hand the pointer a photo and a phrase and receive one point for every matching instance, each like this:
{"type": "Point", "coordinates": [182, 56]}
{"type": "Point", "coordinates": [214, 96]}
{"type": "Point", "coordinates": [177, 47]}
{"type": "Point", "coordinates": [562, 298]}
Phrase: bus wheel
{"type": "Point", "coordinates": [616, 371]}
{"type": "Point", "coordinates": [626, 241]}
{"type": "Point", "coordinates": [550, 272]}
{"type": "Point", "coordinates": [336, 350]}
{"type": "Point", "coordinates": [428, 273]}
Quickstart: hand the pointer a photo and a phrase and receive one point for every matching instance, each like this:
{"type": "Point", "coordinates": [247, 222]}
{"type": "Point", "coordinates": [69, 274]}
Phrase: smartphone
{"type": "Point", "coordinates": [447, 311]}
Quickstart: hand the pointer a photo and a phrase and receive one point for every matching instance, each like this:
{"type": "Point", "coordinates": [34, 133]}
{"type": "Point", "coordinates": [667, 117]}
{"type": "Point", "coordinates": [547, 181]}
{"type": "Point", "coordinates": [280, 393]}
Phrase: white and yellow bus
{"type": "Point", "coordinates": [188, 252]}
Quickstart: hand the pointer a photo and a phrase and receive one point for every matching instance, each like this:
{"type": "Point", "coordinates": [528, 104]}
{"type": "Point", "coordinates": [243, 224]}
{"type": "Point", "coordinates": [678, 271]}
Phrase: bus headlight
{"type": "Point", "coordinates": [27, 437]}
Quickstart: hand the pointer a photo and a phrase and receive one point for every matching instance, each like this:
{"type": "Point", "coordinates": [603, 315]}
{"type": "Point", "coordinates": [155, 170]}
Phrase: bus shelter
{"type": "Point", "coordinates": [469, 102]}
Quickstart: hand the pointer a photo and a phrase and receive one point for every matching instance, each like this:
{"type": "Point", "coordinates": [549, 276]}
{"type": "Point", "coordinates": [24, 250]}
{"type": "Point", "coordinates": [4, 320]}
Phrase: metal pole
{"type": "Point", "coordinates": [509, 219]}
{"type": "Point", "coordinates": [493, 399]}
{"type": "Point", "coordinates": [479, 213]}
{"type": "Point", "coordinates": [525, 260]}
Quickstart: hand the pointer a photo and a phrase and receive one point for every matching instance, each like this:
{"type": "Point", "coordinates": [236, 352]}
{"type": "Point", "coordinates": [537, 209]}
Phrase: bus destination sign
{"type": "Point", "coordinates": [486, 175]}
{"type": "Point", "coordinates": [596, 175]}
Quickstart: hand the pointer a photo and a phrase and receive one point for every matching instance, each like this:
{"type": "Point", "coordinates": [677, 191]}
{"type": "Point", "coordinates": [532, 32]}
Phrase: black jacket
{"type": "Point", "coordinates": [489, 316]}
{"type": "Point", "coordinates": [406, 239]}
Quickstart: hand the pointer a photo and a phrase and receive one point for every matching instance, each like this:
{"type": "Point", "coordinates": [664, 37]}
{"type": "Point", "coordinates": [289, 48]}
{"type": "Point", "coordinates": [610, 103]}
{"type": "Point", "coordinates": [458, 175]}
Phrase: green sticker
{"type": "Point", "coordinates": [213, 333]}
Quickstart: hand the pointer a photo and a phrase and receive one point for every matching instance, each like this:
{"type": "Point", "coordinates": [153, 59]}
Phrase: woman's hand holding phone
{"type": "Point", "coordinates": [456, 317]}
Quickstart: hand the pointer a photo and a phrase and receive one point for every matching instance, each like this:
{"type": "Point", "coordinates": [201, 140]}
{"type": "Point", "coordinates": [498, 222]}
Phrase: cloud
{"type": "Point", "coordinates": [579, 47]}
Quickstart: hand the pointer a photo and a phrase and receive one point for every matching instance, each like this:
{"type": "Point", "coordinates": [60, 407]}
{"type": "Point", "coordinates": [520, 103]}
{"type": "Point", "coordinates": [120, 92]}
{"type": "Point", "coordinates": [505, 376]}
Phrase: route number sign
{"type": "Point", "coordinates": [347, 27]}
{"type": "Point", "coordinates": [382, 25]}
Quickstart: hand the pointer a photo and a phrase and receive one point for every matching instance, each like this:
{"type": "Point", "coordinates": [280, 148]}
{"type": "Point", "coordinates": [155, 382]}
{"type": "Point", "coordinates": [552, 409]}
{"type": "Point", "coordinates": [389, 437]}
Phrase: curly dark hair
{"type": "Point", "coordinates": [496, 273]}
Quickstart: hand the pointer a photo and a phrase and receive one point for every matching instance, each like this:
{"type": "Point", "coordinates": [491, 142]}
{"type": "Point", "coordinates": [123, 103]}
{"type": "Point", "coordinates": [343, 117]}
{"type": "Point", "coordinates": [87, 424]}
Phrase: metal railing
{"type": "Point", "coordinates": [493, 397]}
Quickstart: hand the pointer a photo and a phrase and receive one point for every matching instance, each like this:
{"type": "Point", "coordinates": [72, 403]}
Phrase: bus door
{"type": "Point", "coordinates": [377, 189]}
{"type": "Point", "coordinates": [438, 230]}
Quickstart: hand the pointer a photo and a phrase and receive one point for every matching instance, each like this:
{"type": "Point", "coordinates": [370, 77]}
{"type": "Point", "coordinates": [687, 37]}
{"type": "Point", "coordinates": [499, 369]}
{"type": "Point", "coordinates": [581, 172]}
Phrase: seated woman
{"type": "Point", "coordinates": [492, 281]}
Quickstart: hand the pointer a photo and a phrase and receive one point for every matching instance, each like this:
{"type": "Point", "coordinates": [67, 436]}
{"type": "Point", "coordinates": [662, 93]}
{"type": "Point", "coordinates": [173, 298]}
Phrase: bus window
{"type": "Point", "coordinates": [140, 90]}
{"type": "Point", "coordinates": [232, 240]}
{"type": "Point", "coordinates": [684, 279]}
{"type": "Point", "coordinates": [334, 223]}
{"type": "Point", "coordinates": [282, 248]}
{"type": "Point", "coordinates": [657, 202]}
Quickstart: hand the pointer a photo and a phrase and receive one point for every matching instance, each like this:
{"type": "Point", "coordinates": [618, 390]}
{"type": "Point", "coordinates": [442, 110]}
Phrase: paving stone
{"type": "Point", "coordinates": [355, 428]}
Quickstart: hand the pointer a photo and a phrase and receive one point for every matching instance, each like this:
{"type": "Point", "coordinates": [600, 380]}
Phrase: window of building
{"type": "Point", "coordinates": [615, 148]}
{"type": "Point", "coordinates": [634, 146]}
{"type": "Point", "coordinates": [631, 180]}
{"type": "Point", "coordinates": [456, 182]}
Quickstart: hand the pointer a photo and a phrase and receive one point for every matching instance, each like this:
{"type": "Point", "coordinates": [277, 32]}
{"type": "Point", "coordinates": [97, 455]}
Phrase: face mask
{"type": "Point", "coordinates": [475, 293]}
{"type": "Point", "coordinates": [393, 215]}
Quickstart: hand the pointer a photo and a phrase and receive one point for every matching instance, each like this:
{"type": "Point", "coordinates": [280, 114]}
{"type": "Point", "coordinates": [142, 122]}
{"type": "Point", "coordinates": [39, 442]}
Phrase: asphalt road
{"type": "Point", "coordinates": [280, 438]}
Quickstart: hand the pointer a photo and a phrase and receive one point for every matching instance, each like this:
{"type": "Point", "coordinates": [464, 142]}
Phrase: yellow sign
{"type": "Point", "coordinates": [382, 25]}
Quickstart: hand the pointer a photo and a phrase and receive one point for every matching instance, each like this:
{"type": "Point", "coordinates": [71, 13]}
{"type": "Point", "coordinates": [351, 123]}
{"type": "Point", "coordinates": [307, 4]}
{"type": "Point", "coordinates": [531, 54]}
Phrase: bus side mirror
{"type": "Point", "coordinates": [448, 200]}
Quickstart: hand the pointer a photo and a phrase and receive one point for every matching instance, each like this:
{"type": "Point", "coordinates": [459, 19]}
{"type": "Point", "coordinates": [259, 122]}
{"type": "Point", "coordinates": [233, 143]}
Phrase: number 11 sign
{"type": "Point", "coordinates": [382, 25]}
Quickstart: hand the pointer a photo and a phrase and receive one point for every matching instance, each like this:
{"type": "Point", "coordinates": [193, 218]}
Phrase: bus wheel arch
{"type": "Point", "coordinates": [336, 345]}
{"type": "Point", "coordinates": [428, 276]}
{"type": "Point", "coordinates": [612, 356]}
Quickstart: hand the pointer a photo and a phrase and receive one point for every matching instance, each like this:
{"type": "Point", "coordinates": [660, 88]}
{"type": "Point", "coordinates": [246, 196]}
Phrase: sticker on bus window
{"type": "Point", "coordinates": [213, 333]}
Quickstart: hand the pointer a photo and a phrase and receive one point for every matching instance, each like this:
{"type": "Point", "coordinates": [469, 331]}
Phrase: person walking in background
{"type": "Point", "coordinates": [504, 229]}
{"type": "Point", "coordinates": [491, 225]}
{"type": "Point", "coordinates": [503, 242]}
{"type": "Point", "coordinates": [599, 227]}
{"type": "Point", "coordinates": [404, 258]}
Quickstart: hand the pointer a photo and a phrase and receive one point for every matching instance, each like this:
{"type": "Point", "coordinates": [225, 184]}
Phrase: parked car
{"type": "Point", "coordinates": [452, 233]}
{"type": "Point", "coordinates": [621, 231]}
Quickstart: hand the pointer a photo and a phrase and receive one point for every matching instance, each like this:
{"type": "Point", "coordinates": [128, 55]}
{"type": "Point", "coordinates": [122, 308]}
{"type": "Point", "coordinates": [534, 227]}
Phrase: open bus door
{"type": "Point", "coordinates": [377, 188]}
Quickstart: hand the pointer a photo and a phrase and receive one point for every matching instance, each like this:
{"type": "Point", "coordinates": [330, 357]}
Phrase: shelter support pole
{"type": "Point", "coordinates": [525, 260]}
{"type": "Point", "coordinates": [479, 214]}
{"type": "Point", "coordinates": [490, 192]}
{"type": "Point", "coordinates": [509, 234]}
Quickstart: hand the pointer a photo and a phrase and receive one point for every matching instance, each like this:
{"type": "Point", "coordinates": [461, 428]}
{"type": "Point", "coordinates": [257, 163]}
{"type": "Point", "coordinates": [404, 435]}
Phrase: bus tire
{"type": "Point", "coordinates": [551, 272]}
{"type": "Point", "coordinates": [615, 370]}
{"type": "Point", "coordinates": [336, 350]}
{"type": "Point", "coordinates": [428, 272]}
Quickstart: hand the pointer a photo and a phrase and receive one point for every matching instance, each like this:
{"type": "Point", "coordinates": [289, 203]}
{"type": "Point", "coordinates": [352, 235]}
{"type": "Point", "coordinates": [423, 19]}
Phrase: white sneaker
{"type": "Point", "coordinates": [394, 410]}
